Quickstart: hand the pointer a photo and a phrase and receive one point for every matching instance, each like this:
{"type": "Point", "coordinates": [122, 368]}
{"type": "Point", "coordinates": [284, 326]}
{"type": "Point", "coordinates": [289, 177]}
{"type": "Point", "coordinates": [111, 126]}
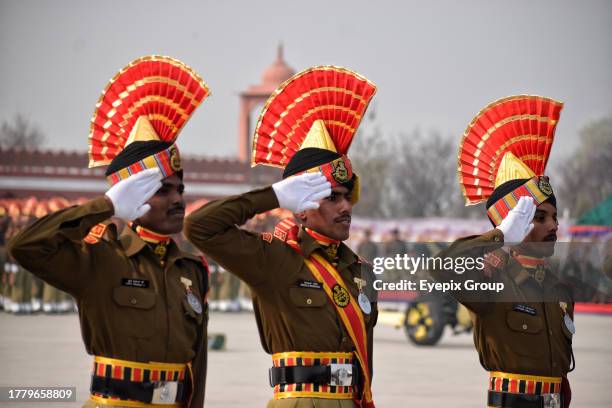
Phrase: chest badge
{"type": "Point", "coordinates": [192, 299]}
{"type": "Point", "coordinates": [362, 299]}
{"type": "Point", "coordinates": [160, 250]}
{"type": "Point", "coordinates": [332, 251]}
{"type": "Point", "coordinates": [341, 296]}
{"type": "Point", "coordinates": [567, 320]}
{"type": "Point", "coordinates": [540, 274]}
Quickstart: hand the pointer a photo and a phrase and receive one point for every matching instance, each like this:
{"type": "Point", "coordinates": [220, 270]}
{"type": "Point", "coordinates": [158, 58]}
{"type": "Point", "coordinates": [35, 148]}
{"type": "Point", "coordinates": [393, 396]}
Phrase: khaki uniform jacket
{"type": "Point", "coordinates": [118, 319]}
{"type": "Point", "coordinates": [289, 317]}
{"type": "Point", "coordinates": [520, 336]}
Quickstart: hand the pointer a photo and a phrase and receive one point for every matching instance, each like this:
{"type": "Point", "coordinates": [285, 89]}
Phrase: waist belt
{"type": "Point", "coordinates": [129, 383]}
{"type": "Point", "coordinates": [507, 400]}
{"type": "Point", "coordinates": [523, 384]}
{"type": "Point", "coordinates": [523, 391]}
{"type": "Point", "coordinates": [316, 375]}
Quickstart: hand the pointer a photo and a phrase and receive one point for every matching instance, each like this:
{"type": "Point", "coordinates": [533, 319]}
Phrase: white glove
{"type": "Point", "coordinates": [130, 195]}
{"type": "Point", "coordinates": [301, 193]}
{"type": "Point", "coordinates": [519, 221]}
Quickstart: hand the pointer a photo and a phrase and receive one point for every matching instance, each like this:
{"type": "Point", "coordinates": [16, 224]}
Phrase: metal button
{"type": "Point", "coordinates": [309, 301]}
{"type": "Point", "coordinates": [133, 301]}
{"type": "Point", "coordinates": [524, 327]}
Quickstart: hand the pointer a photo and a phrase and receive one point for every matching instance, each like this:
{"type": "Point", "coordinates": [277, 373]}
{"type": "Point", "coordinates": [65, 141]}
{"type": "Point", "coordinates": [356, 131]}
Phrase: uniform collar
{"type": "Point", "coordinates": [149, 236]}
{"type": "Point", "coordinates": [529, 262]}
{"type": "Point", "coordinates": [522, 269]}
{"type": "Point", "coordinates": [308, 244]}
{"type": "Point", "coordinates": [132, 244]}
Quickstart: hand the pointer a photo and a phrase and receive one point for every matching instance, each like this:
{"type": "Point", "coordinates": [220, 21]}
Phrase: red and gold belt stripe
{"type": "Point", "coordinates": [523, 384]}
{"type": "Point", "coordinates": [310, 358]}
{"type": "Point", "coordinates": [306, 358]}
{"type": "Point", "coordinates": [136, 372]}
{"type": "Point", "coordinates": [352, 319]}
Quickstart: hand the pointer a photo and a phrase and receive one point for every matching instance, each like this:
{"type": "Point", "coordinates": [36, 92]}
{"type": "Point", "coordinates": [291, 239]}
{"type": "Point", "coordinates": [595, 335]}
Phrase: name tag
{"type": "Point", "coordinates": [135, 283]}
{"type": "Point", "coordinates": [524, 309]}
{"type": "Point", "coordinates": [309, 284]}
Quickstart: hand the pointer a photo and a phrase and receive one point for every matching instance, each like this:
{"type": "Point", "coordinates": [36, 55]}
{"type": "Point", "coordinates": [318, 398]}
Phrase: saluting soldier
{"type": "Point", "coordinates": [141, 299]}
{"type": "Point", "coordinates": [523, 334]}
{"type": "Point", "coordinates": [313, 299]}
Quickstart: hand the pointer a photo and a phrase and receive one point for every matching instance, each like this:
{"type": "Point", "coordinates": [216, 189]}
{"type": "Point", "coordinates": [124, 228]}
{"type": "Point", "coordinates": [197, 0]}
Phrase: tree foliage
{"type": "Point", "coordinates": [19, 133]}
{"type": "Point", "coordinates": [410, 175]}
{"type": "Point", "coordinates": [415, 174]}
{"type": "Point", "coordinates": [586, 173]}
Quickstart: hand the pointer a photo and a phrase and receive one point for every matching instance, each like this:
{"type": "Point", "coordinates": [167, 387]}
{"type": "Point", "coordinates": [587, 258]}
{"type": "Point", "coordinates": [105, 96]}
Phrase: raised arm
{"type": "Point", "coordinates": [214, 228]}
{"type": "Point", "coordinates": [52, 248]}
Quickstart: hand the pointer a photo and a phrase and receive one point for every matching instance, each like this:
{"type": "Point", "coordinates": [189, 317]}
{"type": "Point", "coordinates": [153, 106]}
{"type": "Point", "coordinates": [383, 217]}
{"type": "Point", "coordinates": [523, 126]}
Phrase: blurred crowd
{"type": "Point", "coordinates": [23, 293]}
{"type": "Point", "coordinates": [20, 291]}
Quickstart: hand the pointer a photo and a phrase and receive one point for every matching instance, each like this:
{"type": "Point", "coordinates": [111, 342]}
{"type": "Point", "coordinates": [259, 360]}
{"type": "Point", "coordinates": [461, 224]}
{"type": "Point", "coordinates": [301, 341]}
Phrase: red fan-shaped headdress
{"type": "Point", "coordinates": [150, 99]}
{"type": "Point", "coordinates": [335, 96]}
{"type": "Point", "coordinates": [509, 139]}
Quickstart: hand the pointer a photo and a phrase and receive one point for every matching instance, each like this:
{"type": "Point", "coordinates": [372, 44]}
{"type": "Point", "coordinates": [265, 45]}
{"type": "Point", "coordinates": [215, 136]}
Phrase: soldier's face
{"type": "Point", "coordinates": [167, 207]}
{"type": "Point", "coordinates": [541, 240]}
{"type": "Point", "coordinates": [333, 217]}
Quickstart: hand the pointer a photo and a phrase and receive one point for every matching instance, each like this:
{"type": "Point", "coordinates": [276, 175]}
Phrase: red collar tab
{"type": "Point", "coordinates": [320, 238]}
{"type": "Point", "coordinates": [529, 262]}
{"type": "Point", "coordinates": [152, 237]}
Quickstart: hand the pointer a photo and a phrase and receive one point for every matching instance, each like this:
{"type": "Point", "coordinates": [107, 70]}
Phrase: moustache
{"type": "Point", "coordinates": [343, 218]}
{"type": "Point", "coordinates": [177, 209]}
{"type": "Point", "coordinates": [550, 238]}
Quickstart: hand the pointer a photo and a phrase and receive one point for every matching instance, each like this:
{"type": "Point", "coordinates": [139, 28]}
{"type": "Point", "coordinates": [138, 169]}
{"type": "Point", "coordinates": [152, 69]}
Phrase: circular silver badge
{"type": "Point", "coordinates": [364, 303]}
{"type": "Point", "coordinates": [569, 323]}
{"type": "Point", "coordinates": [194, 303]}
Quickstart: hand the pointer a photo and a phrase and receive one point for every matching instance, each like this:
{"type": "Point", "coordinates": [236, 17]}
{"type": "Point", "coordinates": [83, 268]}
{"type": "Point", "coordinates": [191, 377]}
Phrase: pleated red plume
{"type": "Point", "coordinates": [523, 125]}
{"type": "Point", "coordinates": [163, 89]}
{"type": "Point", "coordinates": [335, 95]}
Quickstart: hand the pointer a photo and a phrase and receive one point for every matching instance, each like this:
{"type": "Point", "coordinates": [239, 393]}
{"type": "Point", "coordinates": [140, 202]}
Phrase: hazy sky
{"type": "Point", "coordinates": [436, 63]}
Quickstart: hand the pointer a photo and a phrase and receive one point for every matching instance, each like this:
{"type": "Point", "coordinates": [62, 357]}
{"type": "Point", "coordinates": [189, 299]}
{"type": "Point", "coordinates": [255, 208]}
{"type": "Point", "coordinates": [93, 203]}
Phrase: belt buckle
{"type": "Point", "coordinates": [551, 400]}
{"type": "Point", "coordinates": [164, 392]}
{"type": "Point", "coordinates": [341, 374]}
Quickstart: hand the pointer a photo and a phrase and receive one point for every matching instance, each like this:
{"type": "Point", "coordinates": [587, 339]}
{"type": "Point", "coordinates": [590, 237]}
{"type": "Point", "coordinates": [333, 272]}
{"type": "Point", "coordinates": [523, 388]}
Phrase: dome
{"type": "Point", "coordinates": [278, 72]}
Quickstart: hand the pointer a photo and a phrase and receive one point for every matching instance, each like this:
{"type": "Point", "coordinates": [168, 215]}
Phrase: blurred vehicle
{"type": "Point", "coordinates": [423, 316]}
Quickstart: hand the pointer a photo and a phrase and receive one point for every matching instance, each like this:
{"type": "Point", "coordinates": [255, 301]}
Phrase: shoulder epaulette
{"type": "Point", "coordinates": [96, 233]}
{"type": "Point", "coordinates": [494, 260]}
{"type": "Point", "coordinates": [287, 232]}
